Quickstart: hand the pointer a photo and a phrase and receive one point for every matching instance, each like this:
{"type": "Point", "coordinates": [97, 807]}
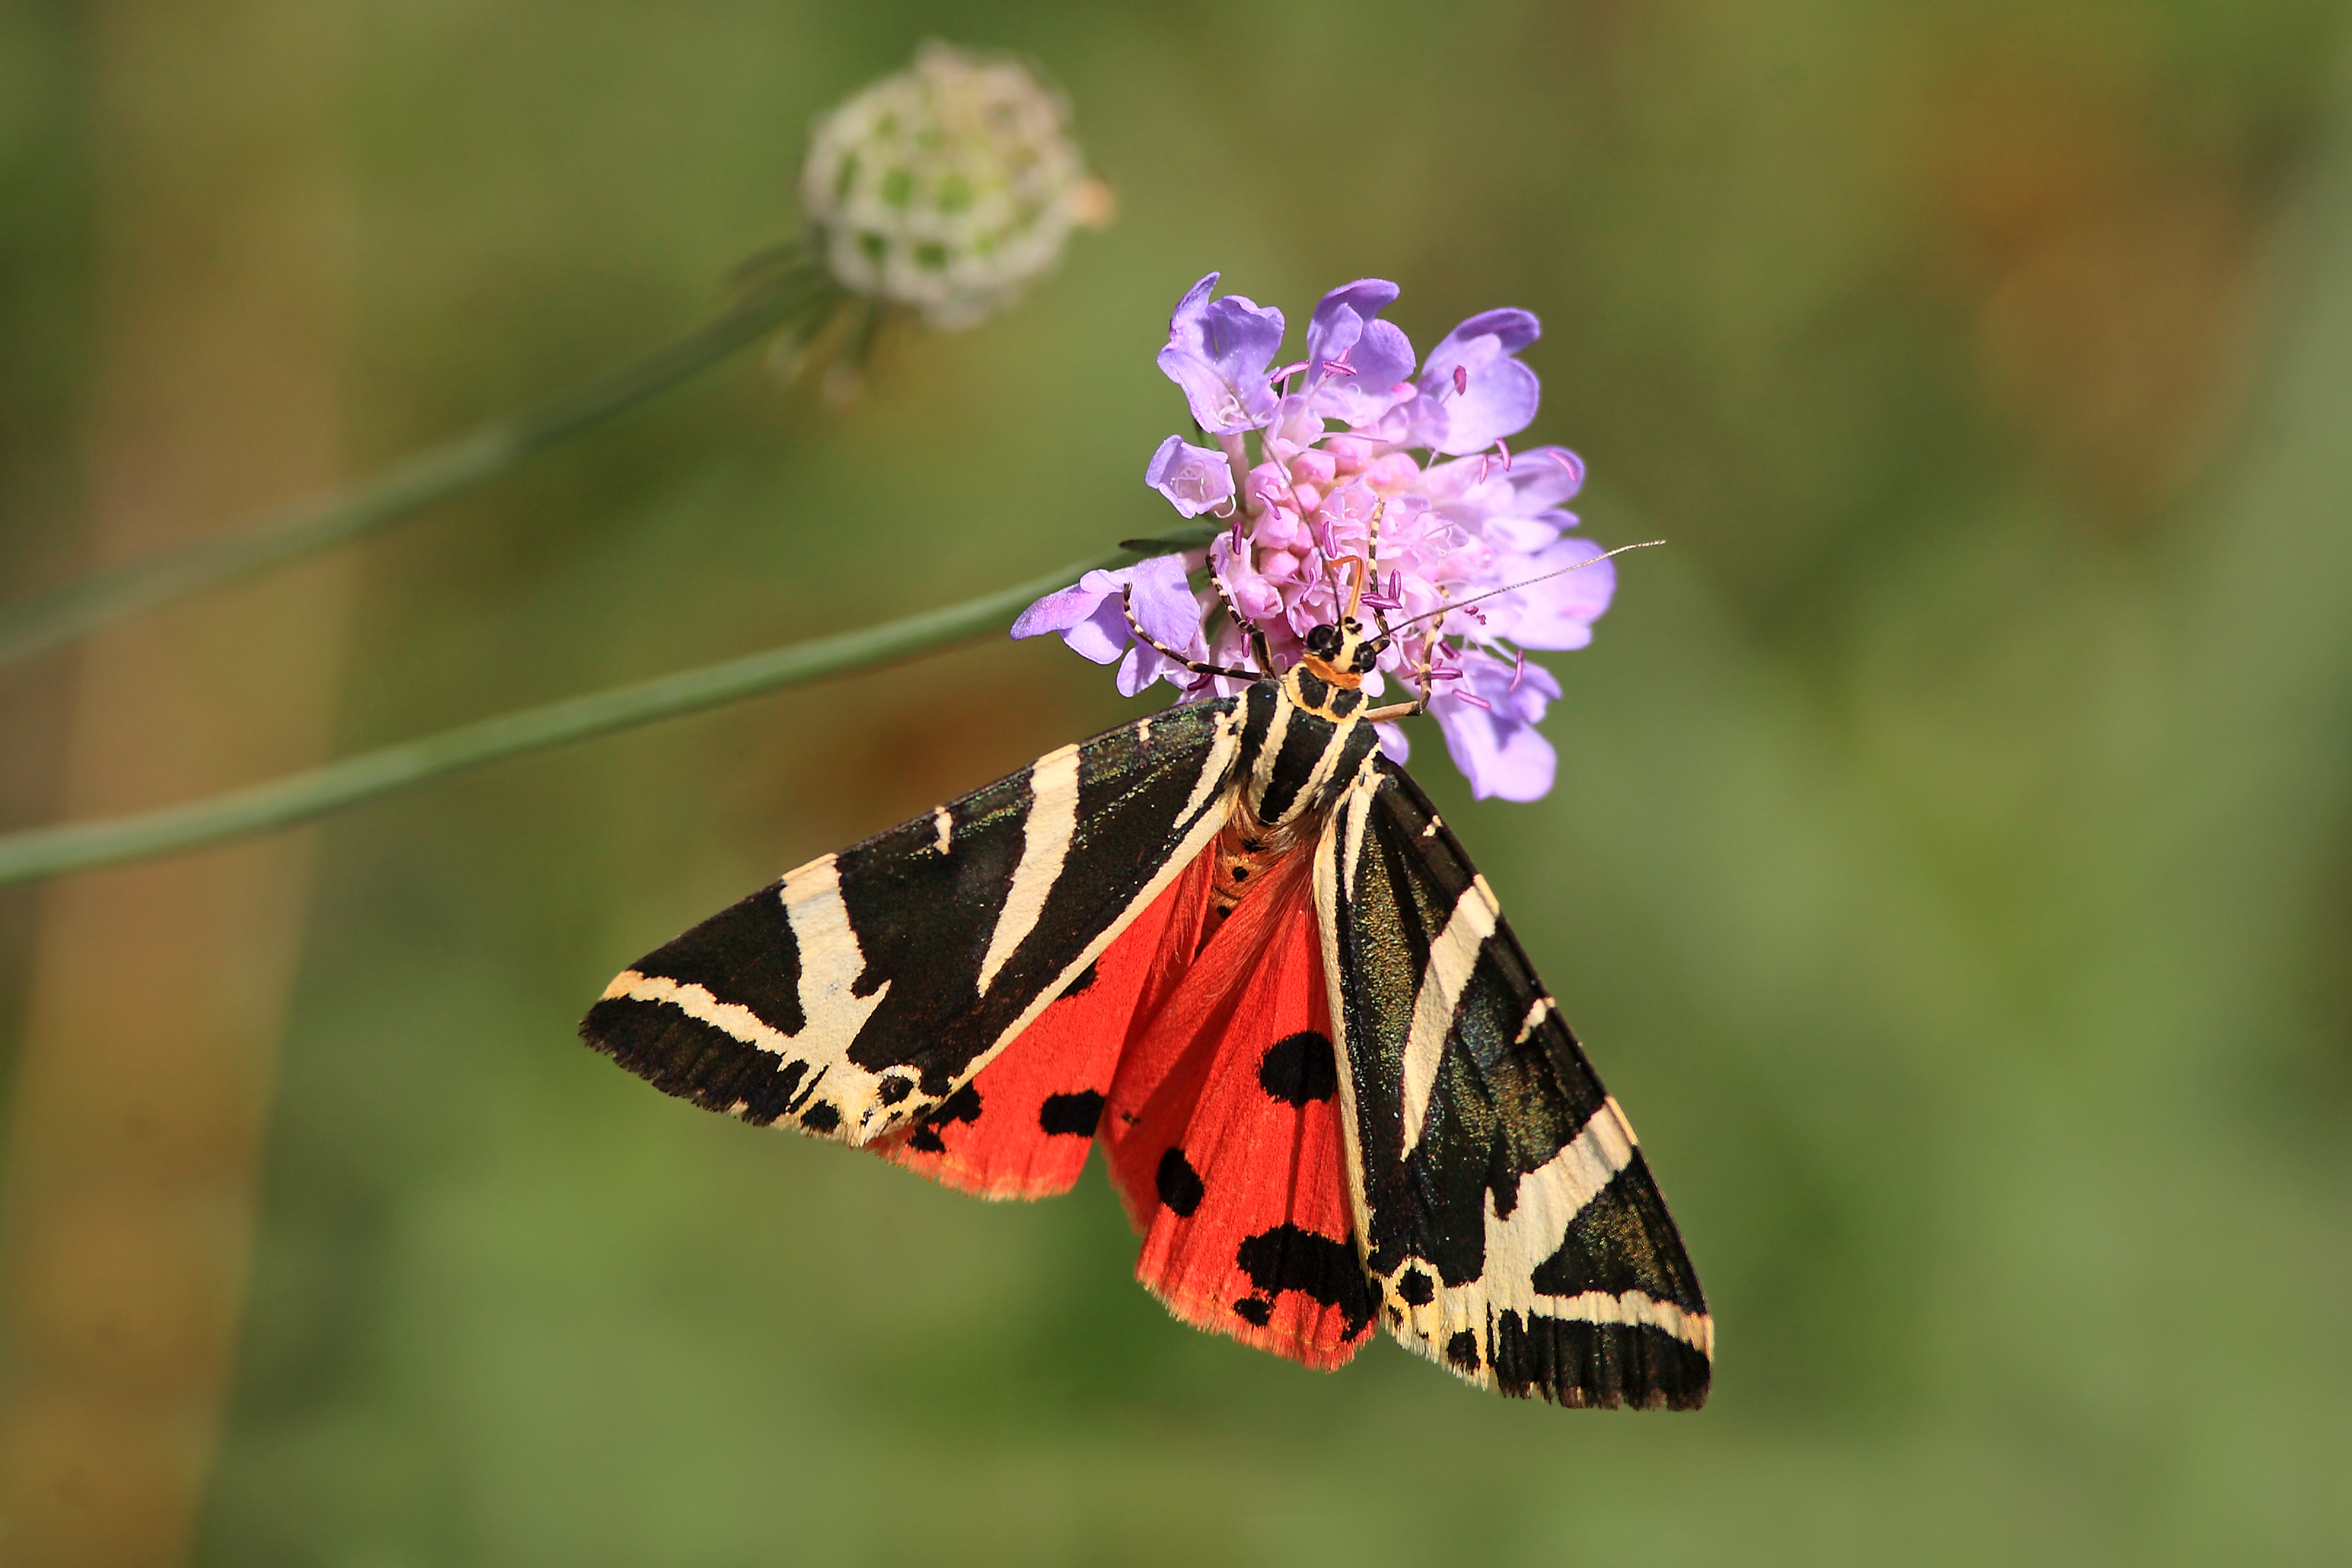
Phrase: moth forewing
{"type": "Point", "coordinates": [866, 988]}
{"type": "Point", "coordinates": [1506, 1217]}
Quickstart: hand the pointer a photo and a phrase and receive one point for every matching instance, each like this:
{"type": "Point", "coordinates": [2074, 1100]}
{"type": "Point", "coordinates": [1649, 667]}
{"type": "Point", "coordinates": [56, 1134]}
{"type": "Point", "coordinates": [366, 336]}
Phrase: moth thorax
{"type": "Point", "coordinates": [1247, 852]}
{"type": "Point", "coordinates": [1315, 686]}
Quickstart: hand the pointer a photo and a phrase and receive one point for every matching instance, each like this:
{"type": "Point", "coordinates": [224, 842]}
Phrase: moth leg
{"type": "Point", "coordinates": [1422, 680]}
{"type": "Point", "coordinates": [1126, 603]}
{"type": "Point", "coordinates": [1258, 649]}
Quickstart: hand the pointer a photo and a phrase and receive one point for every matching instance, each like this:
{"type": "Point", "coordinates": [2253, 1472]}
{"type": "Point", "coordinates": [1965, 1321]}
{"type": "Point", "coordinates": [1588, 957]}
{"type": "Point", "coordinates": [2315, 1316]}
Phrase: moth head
{"type": "Point", "coordinates": [1341, 654]}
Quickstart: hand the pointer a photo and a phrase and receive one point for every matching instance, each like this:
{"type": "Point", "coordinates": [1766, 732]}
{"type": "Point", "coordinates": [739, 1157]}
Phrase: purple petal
{"type": "Point", "coordinates": [1501, 401]}
{"type": "Point", "coordinates": [1499, 756]}
{"type": "Point", "coordinates": [1142, 666]}
{"type": "Point", "coordinates": [1165, 603]}
{"type": "Point", "coordinates": [1512, 330]}
{"type": "Point", "coordinates": [1559, 612]}
{"type": "Point", "coordinates": [1395, 744]}
{"type": "Point", "coordinates": [1091, 617]}
{"type": "Point", "coordinates": [1496, 746]}
{"type": "Point", "coordinates": [1064, 607]}
{"type": "Point", "coordinates": [1340, 315]}
{"type": "Point", "coordinates": [1377, 354]}
{"type": "Point", "coordinates": [1218, 352]}
{"type": "Point", "coordinates": [1522, 536]}
{"type": "Point", "coordinates": [1473, 392]}
{"type": "Point", "coordinates": [1194, 478]}
{"type": "Point", "coordinates": [1544, 477]}
{"type": "Point", "coordinates": [1087, 616]}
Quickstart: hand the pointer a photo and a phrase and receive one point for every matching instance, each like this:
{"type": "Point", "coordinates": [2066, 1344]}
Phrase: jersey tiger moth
{"type": "Point", "coordinates": [1237, 947]}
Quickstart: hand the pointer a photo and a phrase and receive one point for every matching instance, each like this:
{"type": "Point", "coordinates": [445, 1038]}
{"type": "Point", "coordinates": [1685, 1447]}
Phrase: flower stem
{"type": "Point", "coordinates": [77, 847]}
{"type": "Point", "coordinates": [796, 295]}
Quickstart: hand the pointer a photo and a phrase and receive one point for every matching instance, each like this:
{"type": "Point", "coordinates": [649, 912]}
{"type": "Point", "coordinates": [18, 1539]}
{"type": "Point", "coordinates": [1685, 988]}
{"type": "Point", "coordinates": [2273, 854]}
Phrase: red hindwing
{"type": "Point", "coordinates": [1222, 1133]}
{"type": "Point", "coordinates": [1211, 1082]}
{"type": "Point", "coordinates": [1022, 1127]}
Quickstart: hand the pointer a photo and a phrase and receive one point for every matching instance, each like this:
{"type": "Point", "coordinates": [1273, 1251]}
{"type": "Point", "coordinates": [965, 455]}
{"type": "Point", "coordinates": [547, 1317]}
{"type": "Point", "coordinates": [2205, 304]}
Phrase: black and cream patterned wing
{"type": "Point", "coordinates": [1511, 1226]}
{"type": "Point", "coordinates": [865, 988]}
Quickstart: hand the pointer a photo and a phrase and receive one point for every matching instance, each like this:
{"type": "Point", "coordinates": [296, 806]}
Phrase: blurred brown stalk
{"type": "Point", "coordinates": [158, 994]}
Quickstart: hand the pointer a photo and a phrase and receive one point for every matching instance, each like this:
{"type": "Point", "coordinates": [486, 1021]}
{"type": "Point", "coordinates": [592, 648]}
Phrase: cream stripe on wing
{"type": "Point", "coordinates": [831, 960]}
{"type": "Point", "coordinates": [1335, 850]}
{"type": "Point", "coordinates": [1452, 957]}
{"type": "Point", "coordinates": [1694, 1329]}
{"type": "Point", "coordinates": [696, 1002]}
{"type": "Point", "coordinates": [1554, 1194]}
{"type": "Point", "coordinates": [1045, 843]}
{"type": "Point", "coordinates": [1222, 752]}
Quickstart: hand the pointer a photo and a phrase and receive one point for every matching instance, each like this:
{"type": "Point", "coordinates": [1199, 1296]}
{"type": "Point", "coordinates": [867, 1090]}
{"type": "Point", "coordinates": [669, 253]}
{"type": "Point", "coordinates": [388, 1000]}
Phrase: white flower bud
{"type": "Point", "coordinates": [948, 186]}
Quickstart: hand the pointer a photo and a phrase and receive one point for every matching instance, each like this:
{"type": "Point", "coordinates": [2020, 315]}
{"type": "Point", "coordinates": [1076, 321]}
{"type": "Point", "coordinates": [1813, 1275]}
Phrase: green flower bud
{"type": "Point", "coordinates": [948, 186]}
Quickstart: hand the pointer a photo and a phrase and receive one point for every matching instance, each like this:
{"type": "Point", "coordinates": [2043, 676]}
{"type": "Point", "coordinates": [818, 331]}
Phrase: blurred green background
{"type": "Point", "coordinates": [1948, 866]}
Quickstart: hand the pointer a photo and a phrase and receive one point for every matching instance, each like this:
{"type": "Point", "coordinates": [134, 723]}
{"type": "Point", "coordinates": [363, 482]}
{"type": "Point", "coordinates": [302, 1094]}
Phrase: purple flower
{"type": "Point", "coordinates": [1193, 479]}
{"type": "Point", "coordinates": [1488, 717]}
{"type": "Point", "coordinates": [1470, 555]}
{"type": "Point", "coordinates": [1218, 352]}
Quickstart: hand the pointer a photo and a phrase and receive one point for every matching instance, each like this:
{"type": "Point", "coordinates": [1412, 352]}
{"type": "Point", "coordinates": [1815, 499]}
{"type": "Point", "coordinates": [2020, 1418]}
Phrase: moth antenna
{"type": "Point", "coordinates": [1198, 666]}
{"type": "Point", "coordinates": [1522, 583]}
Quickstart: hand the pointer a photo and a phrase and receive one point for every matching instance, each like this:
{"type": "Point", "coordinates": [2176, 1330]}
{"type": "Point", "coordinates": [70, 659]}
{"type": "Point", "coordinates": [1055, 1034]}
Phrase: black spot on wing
{"type": "Point", "coordinates": [1600, 1364]}
{"type": "Point", "coordinates": [1290, 1259]}
{"type": "Point", "coordinates": [1299, 1067]}
{"type": "Point", "coordinates": [1623, 1241]}
{"type": "Point", "coordinates": [694, 1060]}
{"type": "Point", "coordinates": [1071, 1115]}
{"type": "Point", "coordinates": [1178, 1185]}
{"type": "Point", "coordinates": [745, 953]}
{"type": "Point", "coordinates": [1462, 1350]}
{"type": "Point", "coordinates": [894, 1088]}
{"type": "Point", "coordinates": [820, 1118]}
{"type": "Point", "coordinates": [1416, 1288]}
{"type": "Point", "coordinates": [963, 1105]}
{"type": "Point", "coordinates": [1255, 1310]}
{"type": "Point", "coordinates": [1083, 981]}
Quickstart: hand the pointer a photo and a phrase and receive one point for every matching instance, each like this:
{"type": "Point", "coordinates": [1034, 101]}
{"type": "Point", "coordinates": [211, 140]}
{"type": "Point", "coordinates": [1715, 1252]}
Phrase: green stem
{"type": "Point", "coordinates": [77, 847]}
{"type": "Point", "coordinates": [795, 295]}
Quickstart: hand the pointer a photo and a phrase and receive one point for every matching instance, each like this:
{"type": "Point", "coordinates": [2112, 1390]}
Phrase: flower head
{"type": "Point", "coordinates": [1359, 460]}
{"type": "Point", "coordinates": [948, 186]}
